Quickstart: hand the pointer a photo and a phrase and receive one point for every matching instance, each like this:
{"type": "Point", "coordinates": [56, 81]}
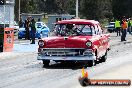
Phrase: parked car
{"type": "Point", "coordinates": [111, 27]}
{"type": "Point", "coordinates": [22, 33]}
{"type": "Point", "coordinates": [42, 27]}
{"type": "Point", "coordinates": [75, 40]}
{"type": "Point", "coordinates": [41, 31]}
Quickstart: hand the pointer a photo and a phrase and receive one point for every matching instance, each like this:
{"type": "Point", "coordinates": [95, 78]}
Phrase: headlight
{"type": "Point", "coordinates": [41, 43]}
{"type": "Point", "coordinates": [89, 44]}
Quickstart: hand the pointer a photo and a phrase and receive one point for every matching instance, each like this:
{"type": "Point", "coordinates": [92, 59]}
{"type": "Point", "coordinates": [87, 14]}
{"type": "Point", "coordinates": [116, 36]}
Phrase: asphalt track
{"type": "Point", "coordinates": [21, 69]}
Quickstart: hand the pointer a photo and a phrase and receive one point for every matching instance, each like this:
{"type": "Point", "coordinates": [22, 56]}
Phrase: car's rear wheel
{"type": "Point", "coordinates": [19, 38]}
{"type": "Point", "coordinates": [46, 63]}
{"type": "Point", "coordinates": [110, 31]}
{"type": "Point", "coordinates": [103, 58]}
{"type": "Point", "coordinates": [39, 37]}
{"type": "Point", "coordinates": [91, 63]}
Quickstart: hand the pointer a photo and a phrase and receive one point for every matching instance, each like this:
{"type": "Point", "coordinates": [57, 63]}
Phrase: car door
{"type": "Point", "coordinates": [103, 41]}
{"type": "Point", "coordinates": [100, 40]}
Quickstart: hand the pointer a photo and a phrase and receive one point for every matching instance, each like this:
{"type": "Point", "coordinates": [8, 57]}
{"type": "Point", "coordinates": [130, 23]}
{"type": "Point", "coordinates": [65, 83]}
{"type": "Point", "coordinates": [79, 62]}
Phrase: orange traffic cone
{"type": "Point", "coordinates": [84, 74]}
{"type": "Point", "coordinates": [84, 80]}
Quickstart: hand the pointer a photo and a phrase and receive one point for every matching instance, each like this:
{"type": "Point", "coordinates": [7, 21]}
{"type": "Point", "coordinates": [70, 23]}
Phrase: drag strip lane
{"type": "Point", "coordinates": [26, 71]}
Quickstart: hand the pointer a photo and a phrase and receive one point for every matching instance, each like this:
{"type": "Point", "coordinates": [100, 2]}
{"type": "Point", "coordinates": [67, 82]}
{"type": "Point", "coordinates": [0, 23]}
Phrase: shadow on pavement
{"type": "Point", "coordinates": [68, 65]}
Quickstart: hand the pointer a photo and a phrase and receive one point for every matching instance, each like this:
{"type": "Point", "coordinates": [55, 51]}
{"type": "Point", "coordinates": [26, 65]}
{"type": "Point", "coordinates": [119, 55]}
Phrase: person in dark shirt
{"type": "Point", "coordinates": [21, 23]}
{"type": "Point", "coordinates": [33, 30]}
{"type": "Point", "coordinates": [27, 22]}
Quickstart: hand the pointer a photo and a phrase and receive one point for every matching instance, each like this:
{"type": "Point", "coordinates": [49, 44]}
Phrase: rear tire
{"type": "Point", "coordinates": [19, 38]}
{"type": "Point", "coordinates": [91, 63]}
{"type": "Point", "coordinates": [110, 31]}
{"type": "Point", "coordinates": [46, 63]}
{"type": "Point", "coordinates": [39, 37]}
{"type": "Point", "coordinates": [103, 58]}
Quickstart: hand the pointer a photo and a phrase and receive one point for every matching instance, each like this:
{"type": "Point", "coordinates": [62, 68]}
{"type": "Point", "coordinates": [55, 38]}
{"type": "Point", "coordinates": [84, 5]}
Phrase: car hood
{"type": "Point", "coordinates": [66, 42]}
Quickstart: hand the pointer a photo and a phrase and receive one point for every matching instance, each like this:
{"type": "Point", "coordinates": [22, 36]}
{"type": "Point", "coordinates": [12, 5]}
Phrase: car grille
{"type": "Point", "coordinates": [64, 52]}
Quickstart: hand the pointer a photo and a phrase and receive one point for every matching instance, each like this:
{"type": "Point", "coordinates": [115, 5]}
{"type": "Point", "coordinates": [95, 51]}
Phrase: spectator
{"type": "Point", "coordinates": [118, 27]}
{"type": "Point", "coordinates": [33, 31]}
{"type": "Point", "coordinates": [129, 26]}
{"type": "Point", "coordinates": [27, 22]}
{"type": "Point", "coordinates": [123, 29]}
{"type": "Point", "coordinates": [131, 23]}
{"type": "Point", "coordinates": [21, 23]}
{"type": "Point", "coordinates": [39, 20]}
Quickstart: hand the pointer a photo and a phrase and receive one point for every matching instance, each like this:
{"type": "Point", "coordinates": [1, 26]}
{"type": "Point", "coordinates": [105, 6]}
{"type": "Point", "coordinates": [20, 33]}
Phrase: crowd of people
{"type": "Point", "coordinates": [29, 23]}
{"type": "Point", "coordinates": [123, 26]}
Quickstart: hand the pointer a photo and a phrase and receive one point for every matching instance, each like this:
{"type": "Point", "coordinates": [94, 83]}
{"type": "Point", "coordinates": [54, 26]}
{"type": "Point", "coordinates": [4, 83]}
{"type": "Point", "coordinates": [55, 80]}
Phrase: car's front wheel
{"type": "Point", "coordinates": [46, 63]}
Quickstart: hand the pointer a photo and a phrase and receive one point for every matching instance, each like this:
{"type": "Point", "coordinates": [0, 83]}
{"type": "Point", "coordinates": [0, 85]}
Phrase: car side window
{"type": "Point", "coordinates": [93, 30]}
{"type": "Point", "coordinates": [96, 30]}
{"type": "Point", "coordinates": [87, 30]}
{"type": "Point", "coordinates": [99, 30]}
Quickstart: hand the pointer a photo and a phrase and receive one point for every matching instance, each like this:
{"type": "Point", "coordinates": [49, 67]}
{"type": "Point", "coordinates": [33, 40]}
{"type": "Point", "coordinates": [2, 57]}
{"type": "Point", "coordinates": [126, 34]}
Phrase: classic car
{"type": "Point", "coordinates": [22, 33]}
{"type": "Point", "coordinates": [41, 31]}
{"type": "Point", "coordinates": [75, 40]}
{"type": "Point", "coordinates": [43, 28]}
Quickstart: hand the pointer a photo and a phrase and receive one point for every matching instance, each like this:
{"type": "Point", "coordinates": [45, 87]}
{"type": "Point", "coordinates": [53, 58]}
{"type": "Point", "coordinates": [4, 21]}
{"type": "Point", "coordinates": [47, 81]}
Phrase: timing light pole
{"type": "Point", "coordinates": [76, 8]}
{"type": "Point", "coordinates": [19, 10]}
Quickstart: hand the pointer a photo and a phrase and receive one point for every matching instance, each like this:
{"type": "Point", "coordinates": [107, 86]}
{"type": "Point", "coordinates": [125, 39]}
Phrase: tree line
{"type": "Point", "coordinates": [89, 9]}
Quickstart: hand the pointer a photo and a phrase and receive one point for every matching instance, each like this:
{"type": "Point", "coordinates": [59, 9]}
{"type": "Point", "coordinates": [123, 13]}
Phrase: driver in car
{"type": "Point", "coordinates": [72, 30]}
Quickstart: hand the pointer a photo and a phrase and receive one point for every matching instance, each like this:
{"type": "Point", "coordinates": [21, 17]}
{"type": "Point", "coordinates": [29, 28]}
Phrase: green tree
{"type": "Point", "coordinates": [96, 9]}
{"type": "Point", "coordinates": [28, 6]}
{"type": "Point", "coordinates": [122, 8]}
{"type": "Point", "coordinates": [48, 6]}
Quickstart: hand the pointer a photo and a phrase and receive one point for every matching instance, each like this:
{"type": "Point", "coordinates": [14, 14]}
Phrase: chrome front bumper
{"type": "Point", "coordinates": [66, 58]}
{"type": "Point", "coordinates": [66, 54]}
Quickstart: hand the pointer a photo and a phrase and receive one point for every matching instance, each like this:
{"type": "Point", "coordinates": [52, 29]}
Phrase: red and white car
{"type": "Point", "coordinates": [75, 40]}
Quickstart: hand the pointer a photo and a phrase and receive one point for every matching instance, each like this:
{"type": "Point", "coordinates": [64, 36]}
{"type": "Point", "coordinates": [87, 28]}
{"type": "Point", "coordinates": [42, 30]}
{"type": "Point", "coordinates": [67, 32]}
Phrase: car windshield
{"type": "Point", "coordinates": [39, 25]}
{"type": "Point", "coordinates": [73, 29]}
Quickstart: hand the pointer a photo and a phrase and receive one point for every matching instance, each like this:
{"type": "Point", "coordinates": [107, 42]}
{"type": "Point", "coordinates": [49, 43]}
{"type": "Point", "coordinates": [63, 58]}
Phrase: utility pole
{"type": "Point", "coordinates": [76, 8]}
{"type": "Point", "coordinates": [19, 10]}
